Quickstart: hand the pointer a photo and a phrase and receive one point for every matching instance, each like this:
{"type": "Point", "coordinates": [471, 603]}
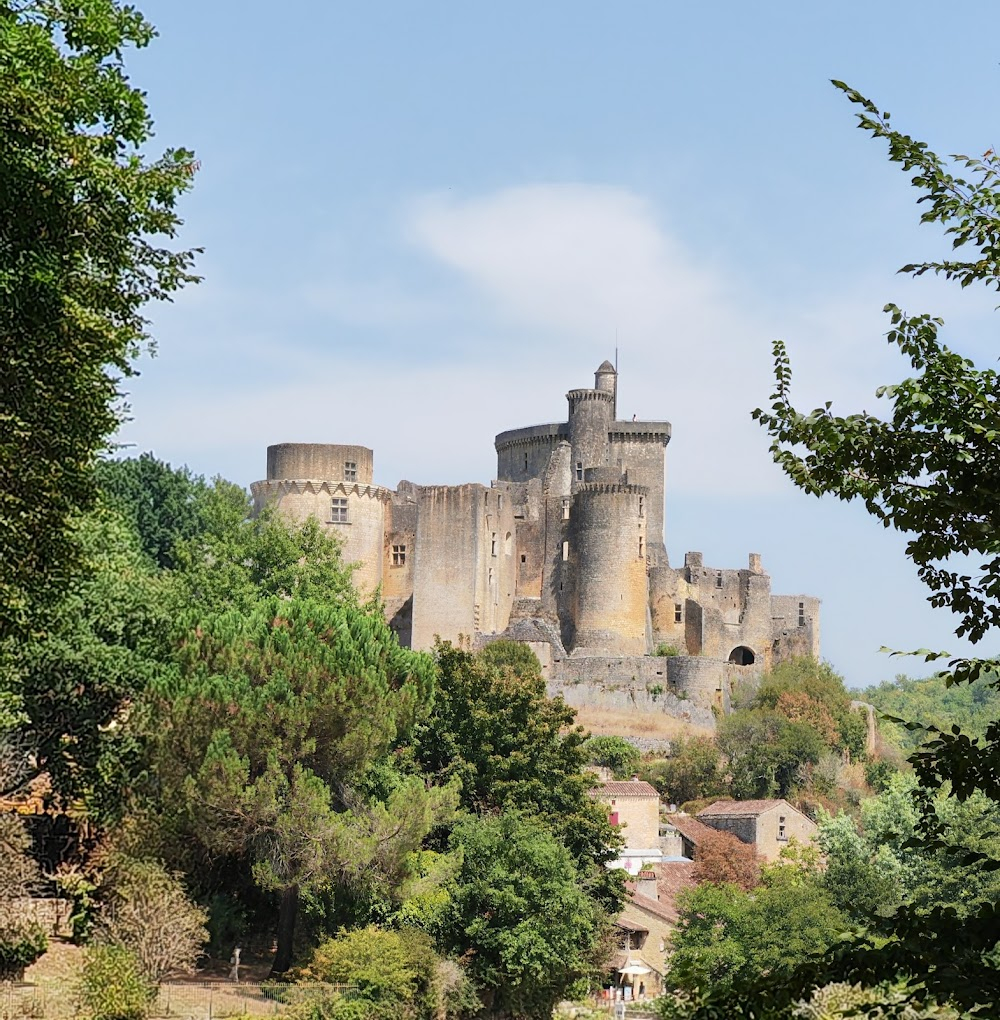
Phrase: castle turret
{"type": "Point", "coordinates": [590, 414]}
{"type": "Point", "coordinates": [609, 553]}
{"type": "Point", "coordinates": [606, 380]}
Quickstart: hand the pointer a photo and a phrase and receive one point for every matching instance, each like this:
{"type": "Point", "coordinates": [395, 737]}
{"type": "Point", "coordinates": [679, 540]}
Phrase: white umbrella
{"type": "Point", "coordinates": [635, 969]}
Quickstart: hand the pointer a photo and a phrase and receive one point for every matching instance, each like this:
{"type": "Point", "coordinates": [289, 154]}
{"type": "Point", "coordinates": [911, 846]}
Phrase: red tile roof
{"type": "Point", "coordinates": [690, 827]}
{"type": "Point", "coordinates": [629, 788]}
{"type": "Point", "coordinates": [741, 808]}
{"type": "Point", "coordinates": [654, 907]}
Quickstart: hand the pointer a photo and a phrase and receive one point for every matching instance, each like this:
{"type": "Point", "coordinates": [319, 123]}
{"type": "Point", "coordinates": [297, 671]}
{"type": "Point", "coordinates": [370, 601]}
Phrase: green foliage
{"type": "Point", "coordinates": [921, 467]}
{"type": "Point", "coordinates": [840, 999]}
{"type": "Point", "coordinates": [766, 752]}
{"type": "Point", "coordinates": [20, 946]}
{"type": "Point", "coordinates": [163, 505]}
{"type": "Point", "coordinates": [395, 971]}
{"type": "Point", "coordinates": [935, 702]}
{"type": "Point", "coordinates": [510, 746]}
{"type": "Point", "coordinates": [614, 753]}
{"type": "Point", "coordinates": [113, 986]}
{"type": "Point", "coordinates": [513, 655]}
{"type": "Point", "coordinates": [103, 642]}
{"type": "Point", "coordinates": [693, 771]}
{"type": "Point", "coordinates": [84, 219]}
{"type": "Point", "coordinates": [521, 916]}
{"type": "Point", "coordinates": [667, 651]}
{"type": "Point", "coordinates": [725, 934]}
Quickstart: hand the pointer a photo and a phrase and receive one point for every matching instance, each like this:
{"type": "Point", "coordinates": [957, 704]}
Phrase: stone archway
{"type": "Point", "coordinates": [742, 656]}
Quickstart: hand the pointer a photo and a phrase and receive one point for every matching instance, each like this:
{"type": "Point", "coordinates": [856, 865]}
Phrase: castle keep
{"type": "Point", "coordinates": [564, 550]}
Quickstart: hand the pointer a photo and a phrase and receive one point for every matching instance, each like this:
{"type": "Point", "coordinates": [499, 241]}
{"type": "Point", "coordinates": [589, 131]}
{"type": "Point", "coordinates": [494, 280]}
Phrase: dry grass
{"type": "Point", "coordinates": [604, 722]}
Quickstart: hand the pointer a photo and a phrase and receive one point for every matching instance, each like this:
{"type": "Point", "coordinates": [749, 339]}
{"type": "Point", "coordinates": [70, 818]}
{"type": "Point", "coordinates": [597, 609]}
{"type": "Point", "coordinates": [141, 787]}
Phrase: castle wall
{"type": "Point", "coordinates": [523, 454]}
{"type": "Point", "coordinates": [589, 421]}
{"type": "Point", "coordinates": [361, 534]}
{"type": "Point", "coordinates": [607, 547]}
{"type": "Point", "coordinates": [638, 448]}
{"type": "Point", "coordinates": [464, 572]}
{"type": "Point", "coordinates": [794, 626]}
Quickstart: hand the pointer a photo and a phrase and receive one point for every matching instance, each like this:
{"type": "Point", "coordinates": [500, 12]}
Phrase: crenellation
{"type": "Point", "coordinates": [565, 550]}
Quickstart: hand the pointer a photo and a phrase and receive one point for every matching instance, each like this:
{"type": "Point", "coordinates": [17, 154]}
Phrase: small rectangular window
{"type": "Point", "coordinates": [524, 559]}
{"type": "Point", "coordinates": [500, 502]}
{"type": "Point", "coordinates": [399, 555]}
{"type": "Point", "coordinates": [350, 471]}
{"type": "Point", "coordinates": [338, 510]}
{"type": "Point", "coordinates": [565, 550]}
{"type": "Point", "coordinates": [678, 612]}
{"type": "Point", "coordinates": [640, 548]}
{"type": "Point", "coordinates": [642, 506]}
{"type": "Point", "coordinates": [802, 614]}
{"type": "Point", "coordinates": [525, 462]}
{"type": "Point", "coordinates": [565, 510]}
{"type": "Point", "coordinates": [718, 579]}
{"type": "Point", "coordinates": [491, 577]}
{"type": "Point", "coordinates": [579, 470]}
{"type": "Point", "coordinates": [493, 544]}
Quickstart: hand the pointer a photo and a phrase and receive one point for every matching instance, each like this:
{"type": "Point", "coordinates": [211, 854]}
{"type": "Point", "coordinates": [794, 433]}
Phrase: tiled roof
{"type": "Point", "coordinates": [741, 808]}
{"type": "Point", "coordinates": [691, 828]}
{"type": "Point", "coordinates": [630, 788]}
{"type": "Point", "coordinates": [654, 907]}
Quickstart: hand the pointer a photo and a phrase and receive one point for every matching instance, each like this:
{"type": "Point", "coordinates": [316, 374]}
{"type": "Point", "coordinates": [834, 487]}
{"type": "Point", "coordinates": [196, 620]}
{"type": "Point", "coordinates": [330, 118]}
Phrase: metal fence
{"type": "Point", "coordinates": [182, 1000]}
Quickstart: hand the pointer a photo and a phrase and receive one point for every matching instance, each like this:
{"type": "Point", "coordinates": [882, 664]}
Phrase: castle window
{"type": "Point", "coordinates": [508, 544]}
{"type": "Point", "coordinates": [642, 506]}
{"type": "Point", "coordinates": [565, 510]}
{"type": "Point", "coordinates": [491, 577]}
{"type": "Point", "coordinates": [524, 559]}
{"type": "Point", "coordinates": [493, 544]}
{"type": "Point", "coordinates": [525, 462]}
{"type": "Point", "coordinates": [579, 470]}
{"type": "Point", "coordinates": [350, 471]}
{"type": "Point", "coordinates": [565, 551]}
{"type": "Point", "coordinates": [802, 614]}
{"type": "Point", "coordinates": [718, 579]}
{"type": "Point", "coordinates": [499, 502]}
{"type": "Point", "coordinates": [338, 510]}
{"type": "Point", "coordinates": [678, 612]}
{"type": "Point", "coordinates": [399, 555]}
{"type": "Point", "coordinates": [640, 548]}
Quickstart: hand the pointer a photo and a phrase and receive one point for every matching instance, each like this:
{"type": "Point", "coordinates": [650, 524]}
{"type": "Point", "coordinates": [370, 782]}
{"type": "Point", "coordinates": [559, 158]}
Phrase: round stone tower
{"type": "Point", "coordinates": [609, 535]}
{"type": "Point", "coordinates": [606, 380]}
{"type": "Point", "coordinates": [590, 416]}
{"type": "Point", "coordinates": [332, 483]}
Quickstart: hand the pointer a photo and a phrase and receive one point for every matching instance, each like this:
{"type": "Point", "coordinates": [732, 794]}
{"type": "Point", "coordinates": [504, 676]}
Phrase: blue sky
{"type": "Point", "coordinates": [424, 223]}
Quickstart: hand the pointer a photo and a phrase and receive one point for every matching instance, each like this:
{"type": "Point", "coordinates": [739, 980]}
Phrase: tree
{"type": "Point", "coordinates": [765, 752]}
{"type": "Point", "coordinates": [927, 467]}
{"type": "Point", "coordinates": [723, 859]}
{"type": "Point", "coordinates": [613, 753]}
{"type": "Point", "coordinates": [82, 214]}
{"type": "Point", "coordinates": [520, 915]}
{"type": "Point", "coordinates": [692, 771]}
{"type": "Point", "coordinates": [265, 730]}
{"type": "Point", "coordinates": [164, 505]}
{"type": "Point", "coordinates": [494, 730]}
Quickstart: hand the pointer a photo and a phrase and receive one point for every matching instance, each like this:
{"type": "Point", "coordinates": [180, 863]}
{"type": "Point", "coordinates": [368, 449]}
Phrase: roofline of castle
{"type": "Point", "coordinates": [638, 431]}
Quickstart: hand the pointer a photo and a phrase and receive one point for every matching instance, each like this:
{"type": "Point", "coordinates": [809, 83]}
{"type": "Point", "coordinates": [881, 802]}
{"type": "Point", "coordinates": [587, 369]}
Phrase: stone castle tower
{"type": "Point", "coordinates": [565, 550]}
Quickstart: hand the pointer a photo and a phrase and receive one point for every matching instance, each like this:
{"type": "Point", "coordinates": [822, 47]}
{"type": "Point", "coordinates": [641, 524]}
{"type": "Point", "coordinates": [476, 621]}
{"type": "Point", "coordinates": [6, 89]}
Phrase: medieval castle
{"type": "Point", "coordinates": [565, 551]}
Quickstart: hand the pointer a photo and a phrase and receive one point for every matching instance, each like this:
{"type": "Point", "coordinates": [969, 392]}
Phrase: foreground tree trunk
{"type": "Point", "coordinates": [287, 912]}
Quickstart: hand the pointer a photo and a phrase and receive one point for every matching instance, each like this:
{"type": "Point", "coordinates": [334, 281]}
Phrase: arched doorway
{"type": "Point", "coordinates": [742, 656]}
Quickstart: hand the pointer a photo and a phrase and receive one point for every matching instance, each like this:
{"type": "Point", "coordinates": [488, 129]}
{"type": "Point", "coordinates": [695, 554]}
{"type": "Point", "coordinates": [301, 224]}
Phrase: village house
{"type": "Point", "coordinates": [767, 824]}
{"type": "Point", "coordinates": [634, 806]}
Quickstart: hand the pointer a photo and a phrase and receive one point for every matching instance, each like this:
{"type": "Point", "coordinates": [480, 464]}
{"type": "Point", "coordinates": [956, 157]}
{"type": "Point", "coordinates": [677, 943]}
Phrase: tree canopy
{"type": "Point", "coordinates": [84, 216]}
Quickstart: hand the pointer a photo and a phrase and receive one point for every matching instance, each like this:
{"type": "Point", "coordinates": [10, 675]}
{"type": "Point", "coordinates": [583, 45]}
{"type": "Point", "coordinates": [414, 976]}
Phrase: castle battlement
{"type": "Point", "coordinates": [566, 545]}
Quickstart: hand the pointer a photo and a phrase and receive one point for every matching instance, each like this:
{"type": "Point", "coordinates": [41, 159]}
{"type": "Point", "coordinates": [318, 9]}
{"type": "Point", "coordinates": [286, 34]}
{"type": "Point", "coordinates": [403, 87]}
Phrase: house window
{"type": "Point", "coordinates": [782, 833]}
{"type": "Point", "coordinates": [678, 612]}
{"type": "Point", "coordinates": [493, 544]}
{"type": "Point", "coordinates": [350, 471]}
{"type": "Point", "coordinates": [399, 555]}
{"type": "Point", "coordinates": [802, 614]}
{"type": "Point", "coordinates": [338, 510]}
{"type": "Point", "coordinates": [613, 818]}
{"type": "Point", "coordinates": [579, 470]}
{"type": "Point", "coordinates": [718, 579]}
{"type": "Point", "coordinates": [565, 551]}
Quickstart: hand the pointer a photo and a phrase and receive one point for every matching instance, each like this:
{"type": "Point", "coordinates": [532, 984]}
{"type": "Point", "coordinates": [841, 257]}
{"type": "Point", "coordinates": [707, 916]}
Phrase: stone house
{"type": "Point", "coordinates": [768, 824]}
{"type": "Point", "coordinates": [635, 807]}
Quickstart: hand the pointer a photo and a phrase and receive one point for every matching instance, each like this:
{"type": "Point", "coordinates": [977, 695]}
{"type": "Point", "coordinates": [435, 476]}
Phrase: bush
{"type": "Point", "coordinates": [146, 910]}
{"type": "Point", "coordinates": [613, 753]}
{"type": "Point", "coordinates": [113, 985]}
{"type": "Point", "coordinates": [20, 946]}
{"type": "Point", "coordinates": [667, 651]}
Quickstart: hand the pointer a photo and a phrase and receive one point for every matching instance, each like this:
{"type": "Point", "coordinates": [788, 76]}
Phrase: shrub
{"type": "Point", "coordinates": [614, 753]}
{"type": "Point", "coordinates": [113, 985]}
{"type": "Point", "coordinates": [666, 651]}
{"type": "Point", "coordinates": [20, 946]}
{"type": "Point", "coordinates": [146, 910]}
